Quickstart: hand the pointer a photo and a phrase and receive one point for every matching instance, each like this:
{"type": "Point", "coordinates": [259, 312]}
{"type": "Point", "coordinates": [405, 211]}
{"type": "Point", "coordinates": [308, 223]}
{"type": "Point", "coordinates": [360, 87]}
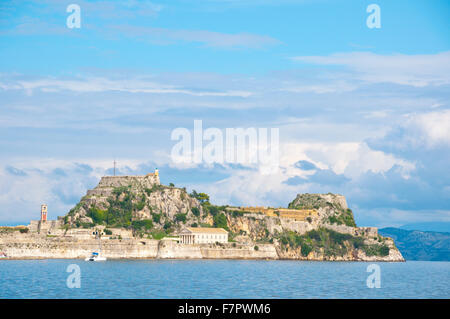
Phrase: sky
{"type": "Point", "coordinates": [363, 112]}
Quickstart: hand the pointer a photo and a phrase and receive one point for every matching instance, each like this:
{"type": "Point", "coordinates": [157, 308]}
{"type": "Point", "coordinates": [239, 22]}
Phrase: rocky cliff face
{"type": "Point", "coordinates": [117, 201]}
{"type": "Point", "coordinates": [330, 235]}
{"type": "Point", "coordinates": [310, 201]}
{"type": "Point", "coordinates": [332, 208]}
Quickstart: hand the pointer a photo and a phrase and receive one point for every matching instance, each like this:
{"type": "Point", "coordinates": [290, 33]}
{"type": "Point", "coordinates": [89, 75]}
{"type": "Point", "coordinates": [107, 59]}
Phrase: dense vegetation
{"type": "Point", "coordinates": [119, 214]}
{"type": "Point", "coordinates": [332, 243]}
{"type": "Point", "coordinates": [343, 217]}
{"type": "Point", "coordinates": [310, 201]}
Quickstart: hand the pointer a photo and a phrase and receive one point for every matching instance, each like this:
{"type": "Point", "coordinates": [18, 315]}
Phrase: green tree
{"type": "Point", "coordinates": [220, 221]}
{"type": "Point", "coordinates": [156, 218]}
{"type": "Point", "coordinates": [147, 224]}
{"type": "Point", "coordinates": [167, 225]}
{"type": "Point", "coordinates": [180, 217]}
{"type": "Point", "coordinates": [213, 210]}
{"type": "Point", "coordinates": [195, 211]}
{"type": "Point", "coordinates": [202, 197]}
{"type": "Point", "coordinates": [97, 215]}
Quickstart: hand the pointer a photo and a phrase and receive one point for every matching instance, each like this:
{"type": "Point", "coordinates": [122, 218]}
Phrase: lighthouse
{"type": "Point", "coordinates": [43, 213]}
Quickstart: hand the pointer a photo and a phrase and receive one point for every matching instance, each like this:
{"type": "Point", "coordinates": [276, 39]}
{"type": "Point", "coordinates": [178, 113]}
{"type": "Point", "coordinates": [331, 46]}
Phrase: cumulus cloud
{"type": "Point", "coordinates": [433, 126]}
{"type": "Point", "coordinates": [418, 132]}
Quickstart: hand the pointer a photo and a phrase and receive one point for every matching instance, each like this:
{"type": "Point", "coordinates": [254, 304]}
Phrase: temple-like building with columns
{"type": "Point", "coordinates": [203, 235]}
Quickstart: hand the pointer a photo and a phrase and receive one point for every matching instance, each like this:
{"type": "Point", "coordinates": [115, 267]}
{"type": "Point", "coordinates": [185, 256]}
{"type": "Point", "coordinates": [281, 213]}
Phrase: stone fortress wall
{"type": "Point", "coordinates": [108, 183]}
{"type": "Point", "coordinates": [295, 214]}
{"type": "Point", "coordinates": [35, 246]}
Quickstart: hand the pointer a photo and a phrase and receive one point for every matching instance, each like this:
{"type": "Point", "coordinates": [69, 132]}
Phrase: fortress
{"type": "Point", "coordinates": [295, 214]}
{"type": "Point", "coordinates": [108, 183]}
{"type": "Point", "coordinates": [104, 189]}
{"type": "Point", "coordinates": [255, 232]}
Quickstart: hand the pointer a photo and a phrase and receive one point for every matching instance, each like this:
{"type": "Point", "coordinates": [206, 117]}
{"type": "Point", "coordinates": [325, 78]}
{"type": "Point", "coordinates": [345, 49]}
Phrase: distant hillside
{"type": "Point", "coordinates": [442, 227]}
{"type": "Point", "coordinates": [420, 245]}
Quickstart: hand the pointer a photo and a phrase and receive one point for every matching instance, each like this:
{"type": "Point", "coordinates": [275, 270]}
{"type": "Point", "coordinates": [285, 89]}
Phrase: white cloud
{"type": "Point", "coordinates": [322, 88]}
{"type": "Point", "coordinates": [209, 38]}
{"type": "Point", "coordinates": [351, 159]}
{"type": "Point", "coordinates": [43, 22]}
{"type": "Point", "coordinates": [418, 132]}
{"type": "Point", "coordinates": [417, 70]}
{"type": "Point", "coordinates": [433, 126]}
{"type": "Point", "coordinates": [101, 84]}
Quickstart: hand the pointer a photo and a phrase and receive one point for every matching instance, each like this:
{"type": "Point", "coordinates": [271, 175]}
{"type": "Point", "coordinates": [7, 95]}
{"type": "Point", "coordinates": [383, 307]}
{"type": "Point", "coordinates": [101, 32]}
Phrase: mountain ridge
{"type": "Point", "coordinates": [420, 245]}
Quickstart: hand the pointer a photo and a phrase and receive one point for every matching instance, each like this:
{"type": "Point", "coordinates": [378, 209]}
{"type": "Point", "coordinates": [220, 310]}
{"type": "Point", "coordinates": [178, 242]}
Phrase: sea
{"type": "Point", "coordinates": [57, 278]}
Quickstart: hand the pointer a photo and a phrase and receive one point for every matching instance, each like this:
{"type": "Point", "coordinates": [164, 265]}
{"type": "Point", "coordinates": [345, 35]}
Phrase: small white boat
{"type": "Point", "coordinates": [3, 255]}
{"type": "Point", "coordinates": [95, 257]}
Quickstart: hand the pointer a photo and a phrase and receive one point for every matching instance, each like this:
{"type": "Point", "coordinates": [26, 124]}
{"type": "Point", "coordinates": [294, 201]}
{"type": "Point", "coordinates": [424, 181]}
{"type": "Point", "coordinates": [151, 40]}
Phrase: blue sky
{"type": "Point", "coordinates": [362, 112]}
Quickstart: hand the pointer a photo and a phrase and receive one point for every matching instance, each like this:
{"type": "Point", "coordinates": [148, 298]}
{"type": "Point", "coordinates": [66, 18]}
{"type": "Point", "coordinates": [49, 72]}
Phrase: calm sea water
{"type": "Point", "coordinates": [222, 279]}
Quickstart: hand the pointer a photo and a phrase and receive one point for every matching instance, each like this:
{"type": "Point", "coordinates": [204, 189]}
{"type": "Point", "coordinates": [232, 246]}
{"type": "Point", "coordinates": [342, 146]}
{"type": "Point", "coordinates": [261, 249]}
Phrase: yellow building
{"type": "Point", "coordinates": [156, 173]}
{"type": "Point", "coordinates": [296, 214]}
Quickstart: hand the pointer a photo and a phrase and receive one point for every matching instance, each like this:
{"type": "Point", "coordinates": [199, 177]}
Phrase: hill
{"type": "Point", "coordinates": [420, 245]}
{"type": "Point", "coordinates": [313, 227]}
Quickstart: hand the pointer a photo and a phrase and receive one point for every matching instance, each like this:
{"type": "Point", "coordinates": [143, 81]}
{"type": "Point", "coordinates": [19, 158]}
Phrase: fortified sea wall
{"type": "Point", "coordinates": [31, 246]}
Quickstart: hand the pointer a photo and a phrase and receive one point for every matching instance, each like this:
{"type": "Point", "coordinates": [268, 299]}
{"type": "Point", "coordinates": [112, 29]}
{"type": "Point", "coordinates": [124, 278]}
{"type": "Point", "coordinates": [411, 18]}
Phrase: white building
{"type": "Point", "coordinates": [203, 235]}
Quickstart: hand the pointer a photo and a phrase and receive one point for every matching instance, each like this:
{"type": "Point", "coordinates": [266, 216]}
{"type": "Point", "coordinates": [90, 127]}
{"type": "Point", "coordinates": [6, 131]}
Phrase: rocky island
{"type": "Point", "coordinates": [138, 217]}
